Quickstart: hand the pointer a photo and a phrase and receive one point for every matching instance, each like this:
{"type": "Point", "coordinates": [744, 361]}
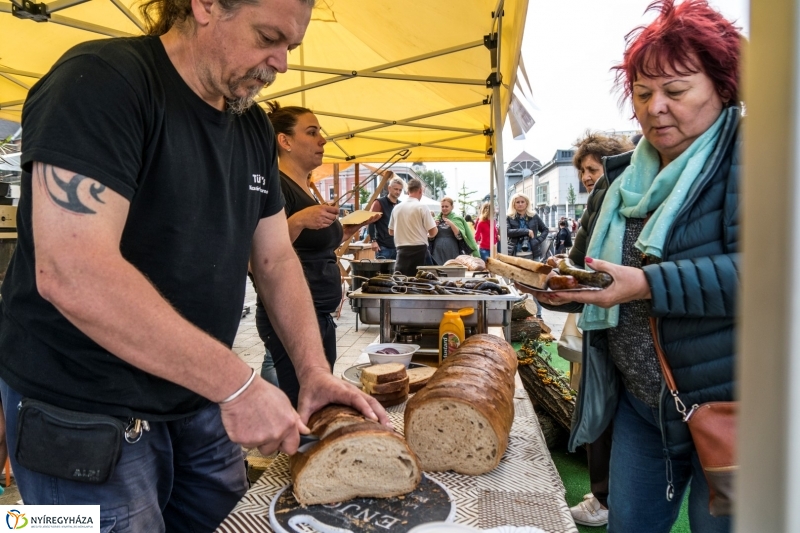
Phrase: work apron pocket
{"type": "Point", "coordinates": [68, 444]}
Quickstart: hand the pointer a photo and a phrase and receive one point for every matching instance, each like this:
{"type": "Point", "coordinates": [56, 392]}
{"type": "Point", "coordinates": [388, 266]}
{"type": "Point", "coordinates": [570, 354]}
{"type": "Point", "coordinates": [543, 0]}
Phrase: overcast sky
{"type": "Point", "coordinates": [568, 48]}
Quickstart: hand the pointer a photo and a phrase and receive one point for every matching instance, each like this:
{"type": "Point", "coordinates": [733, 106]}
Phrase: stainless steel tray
{"type": "Point", "coordinates": [427, 310]}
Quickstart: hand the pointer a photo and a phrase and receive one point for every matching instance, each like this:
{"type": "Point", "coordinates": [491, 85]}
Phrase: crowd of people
{"type": "Point", "coordinates": [124, 330]}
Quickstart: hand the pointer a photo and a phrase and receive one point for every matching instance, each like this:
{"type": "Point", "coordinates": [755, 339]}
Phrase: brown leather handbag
{"type": "Point", "coordinates": [713, 429]}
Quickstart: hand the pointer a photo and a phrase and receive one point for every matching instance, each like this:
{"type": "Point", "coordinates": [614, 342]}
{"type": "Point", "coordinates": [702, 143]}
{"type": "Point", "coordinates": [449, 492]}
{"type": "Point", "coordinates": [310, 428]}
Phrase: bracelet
{"type": "Point", "coordinates": [242, 388]}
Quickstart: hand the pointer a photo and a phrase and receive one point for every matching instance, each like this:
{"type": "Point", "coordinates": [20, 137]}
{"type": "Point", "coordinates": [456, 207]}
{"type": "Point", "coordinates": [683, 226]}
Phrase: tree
{"type": "Point", "coordinates": [435, 183]}
{"type": "Point", "coordinates": [571, 195]}
{"type": "Point", "coordinates": [363, 196]}
{"type": "Point", "coordinates": [463, 198]}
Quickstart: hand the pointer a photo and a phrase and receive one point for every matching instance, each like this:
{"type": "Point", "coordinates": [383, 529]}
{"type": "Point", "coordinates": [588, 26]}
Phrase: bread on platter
{"type": "Point", "coordinates": [514, 272]}
{"type": "Point", "coordinates": [386, 388]}
{"type": "Point", "coordinates": [418, 377]}
{"type": "Point", "coordinates": [383, 373]}
{"type": "Point", "coordinates": [461, 419]}
{"type": "Point", "coordinates": [357, 460]}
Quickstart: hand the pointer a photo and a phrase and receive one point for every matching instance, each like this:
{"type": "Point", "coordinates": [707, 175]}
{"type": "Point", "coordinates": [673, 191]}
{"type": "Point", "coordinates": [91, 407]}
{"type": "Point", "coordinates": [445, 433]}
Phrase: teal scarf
{"type": "Point", "coordinates": [466, 232]}
{"type": "Point", "coordinates": [642, 189]}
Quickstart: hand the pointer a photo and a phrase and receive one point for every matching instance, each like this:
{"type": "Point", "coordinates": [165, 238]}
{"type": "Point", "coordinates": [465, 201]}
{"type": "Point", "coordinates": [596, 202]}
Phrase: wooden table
{"type": "Point", "coordinates": [524, 490]}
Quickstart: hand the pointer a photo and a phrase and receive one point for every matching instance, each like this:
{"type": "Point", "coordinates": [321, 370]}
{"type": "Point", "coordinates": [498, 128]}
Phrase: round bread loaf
{"type": "Point", "coordinates": [461, 419]}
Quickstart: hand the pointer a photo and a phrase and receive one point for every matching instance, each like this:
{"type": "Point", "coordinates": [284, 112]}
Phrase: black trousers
{"type": "Point", "coordinates": [287, 378]}
{"type": "Point", "coordinates": [410, 257]}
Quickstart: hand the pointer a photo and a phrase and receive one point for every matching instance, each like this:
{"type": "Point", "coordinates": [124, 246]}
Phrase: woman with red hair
{"type": "Point", "coordinates": [667, 232]}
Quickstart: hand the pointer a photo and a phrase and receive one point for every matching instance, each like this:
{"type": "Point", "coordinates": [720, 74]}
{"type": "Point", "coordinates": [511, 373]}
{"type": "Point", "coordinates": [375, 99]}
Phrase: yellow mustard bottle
{"type": "Point", "coordinates": [451, 331]}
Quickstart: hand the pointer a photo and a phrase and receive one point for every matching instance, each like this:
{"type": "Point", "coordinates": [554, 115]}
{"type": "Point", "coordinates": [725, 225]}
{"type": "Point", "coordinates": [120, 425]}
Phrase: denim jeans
{"type": "Point", "coordinates": [386, 253]}
{"type": "Point", "coordinates": [637, 486]}
{"type": "Point", "coordinates": [184, 475]}
{"type": "Point", "coordinates": [268, 372]}
{"type": "Point", "coordinates": [485, 254]}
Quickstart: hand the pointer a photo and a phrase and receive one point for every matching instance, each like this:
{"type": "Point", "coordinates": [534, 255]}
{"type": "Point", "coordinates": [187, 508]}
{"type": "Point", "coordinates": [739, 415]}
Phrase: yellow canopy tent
{"type": "Point", "coordinates": [433, 76]}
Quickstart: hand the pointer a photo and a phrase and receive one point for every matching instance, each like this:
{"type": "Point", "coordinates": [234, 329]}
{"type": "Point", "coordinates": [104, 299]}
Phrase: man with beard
{"type": "Point", "coordinates": [382, 242]}
{"type": "Point", "coordinates": [149, 180]}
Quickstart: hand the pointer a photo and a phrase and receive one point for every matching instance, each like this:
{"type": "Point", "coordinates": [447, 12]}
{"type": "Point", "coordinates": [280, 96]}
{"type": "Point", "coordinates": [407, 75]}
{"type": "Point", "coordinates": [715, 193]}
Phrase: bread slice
{"type": "Point", "coordinates": [418, 377]}
{"type": "Point", "coordinates": [391, 396]}
{"type": "Point", "coordinates": [386, 388]}
{"type": "Point", "coordinates": [383, 373]}
{"type": "Point", "coordinates": [332, 417]}
{"type": "Point", "coordinates": [515, 273]}
{"type": "Point", "coordinates": [359, 460]}
{"type": "Point", "coordinates": [462, 418]}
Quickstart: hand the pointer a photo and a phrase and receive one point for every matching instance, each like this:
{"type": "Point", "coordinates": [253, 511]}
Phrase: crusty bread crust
{"type": "Point", "coordinates": [462, 418]}
{"type": "Point", "coordinates": [386, 388]}
{"type": "Point", "coordinates": [383, 373]}
{"type": "Point", "coordinates": [359, 460]}
{"type": "Point", "coordinates": [332, 417]}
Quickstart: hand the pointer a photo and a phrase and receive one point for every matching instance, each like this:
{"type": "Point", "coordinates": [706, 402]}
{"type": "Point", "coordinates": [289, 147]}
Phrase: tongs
{"type": "Point", "coordinates": [395, 158]}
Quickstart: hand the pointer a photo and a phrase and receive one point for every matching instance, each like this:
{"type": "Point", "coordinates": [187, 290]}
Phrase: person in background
{"type": "Point", "coordinates": [149, 179]}
{"type": "Point", "coordinates": [484, 230]}
{"type": "Point", "coordinates": [454, 236]}
{"type": "Point", "coordinates": [411, 225]}
{"type": "Point", "coordinates": [315, 232]}
{"type": "Point", "coordinates": [593, 153]}
{"type": "Point", "coordinates": [383, 243]}
{"type": "Point", "coordinates": [590, 156]}
{"type": "Point", "coordinates": [668, 226]}
{"type": "Point", "coordinates": [563, 238]}
{"type": "Point", "coordinates": [470, 221]}
{"type": "Point", "coordinates": [526, 232]}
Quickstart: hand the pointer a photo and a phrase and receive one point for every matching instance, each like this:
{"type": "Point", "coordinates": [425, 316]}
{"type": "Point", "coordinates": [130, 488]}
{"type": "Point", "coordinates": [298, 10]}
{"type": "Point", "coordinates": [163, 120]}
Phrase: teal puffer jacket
{"type": "Point", "coordinates": [694, 291]}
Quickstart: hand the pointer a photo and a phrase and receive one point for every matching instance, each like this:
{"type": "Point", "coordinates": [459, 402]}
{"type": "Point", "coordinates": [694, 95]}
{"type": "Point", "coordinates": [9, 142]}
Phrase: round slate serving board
{"type": "Point", "coordinates": [429, 502]}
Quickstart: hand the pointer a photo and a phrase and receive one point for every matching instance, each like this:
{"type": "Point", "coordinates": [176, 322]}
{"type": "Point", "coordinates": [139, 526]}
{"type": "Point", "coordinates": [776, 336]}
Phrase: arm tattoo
{"type": "Point", "coordinates": [63, 191]}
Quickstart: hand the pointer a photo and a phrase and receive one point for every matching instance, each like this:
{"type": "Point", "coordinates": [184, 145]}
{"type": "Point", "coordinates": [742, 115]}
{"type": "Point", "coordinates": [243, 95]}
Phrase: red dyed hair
{"type": "Point", "coordinates": [689, 37]}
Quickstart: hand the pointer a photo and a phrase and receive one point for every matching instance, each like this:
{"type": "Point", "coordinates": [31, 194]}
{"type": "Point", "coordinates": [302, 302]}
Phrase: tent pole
{"type": "Point", "coordinates": [500, 176]}
{"type": "Point", "coordinates": [497, 127]}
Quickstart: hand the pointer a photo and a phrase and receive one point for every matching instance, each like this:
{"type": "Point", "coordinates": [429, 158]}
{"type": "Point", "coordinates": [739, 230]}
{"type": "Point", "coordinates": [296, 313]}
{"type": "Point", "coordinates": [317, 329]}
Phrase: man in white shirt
{"type": "Point", "coordinates": [411, 225]}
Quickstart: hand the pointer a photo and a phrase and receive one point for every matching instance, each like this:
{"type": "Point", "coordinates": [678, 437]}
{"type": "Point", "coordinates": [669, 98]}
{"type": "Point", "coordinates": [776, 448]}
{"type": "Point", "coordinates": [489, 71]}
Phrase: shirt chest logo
{"type": "Point", "coordinates": [258, 184]}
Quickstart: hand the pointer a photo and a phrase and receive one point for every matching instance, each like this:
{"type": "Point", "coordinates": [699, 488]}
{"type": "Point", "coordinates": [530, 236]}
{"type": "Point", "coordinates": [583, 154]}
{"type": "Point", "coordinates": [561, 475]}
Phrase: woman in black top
{"type": "Point", "coordinates": [526, 231]}
{"type": "Point", "coordinates": [315, 232]}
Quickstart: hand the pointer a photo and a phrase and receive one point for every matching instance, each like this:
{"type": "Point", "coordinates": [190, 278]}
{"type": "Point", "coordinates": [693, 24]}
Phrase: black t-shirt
{"type": "Point", "coordinates": [316, 250]}
{"type": "Point", "coordinates": [198, 179]}
{"type": "Point", "coordinates": [379, 230]}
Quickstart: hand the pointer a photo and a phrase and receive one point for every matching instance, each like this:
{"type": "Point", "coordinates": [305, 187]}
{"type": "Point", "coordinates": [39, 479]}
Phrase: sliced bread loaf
{"type": "Point", "coordinates": [359, 460]}
{"type": "Point", "coordinates": [386, 388]}
{"type": "Point", "coordinates": [332, 417]}
{"type": "Point", "coordinates": [418, 377]}
{"type": "Point", "coordinates": [461, 419]}
{"type": "Point", "coordinates": [383, 373]}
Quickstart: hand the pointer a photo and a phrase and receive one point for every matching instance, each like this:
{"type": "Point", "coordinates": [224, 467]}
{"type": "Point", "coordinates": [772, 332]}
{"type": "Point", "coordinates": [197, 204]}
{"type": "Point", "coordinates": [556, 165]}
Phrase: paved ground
{"type": "Point", "coordinates": [350, 344]}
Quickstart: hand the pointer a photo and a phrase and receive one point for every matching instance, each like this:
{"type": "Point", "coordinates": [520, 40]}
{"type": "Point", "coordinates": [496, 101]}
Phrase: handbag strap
{"type": "Point", "coordinates": [666, 370]}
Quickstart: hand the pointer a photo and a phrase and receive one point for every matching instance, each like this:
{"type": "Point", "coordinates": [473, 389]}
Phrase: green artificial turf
{"type": "Point", "coordinates": [572, 467]}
